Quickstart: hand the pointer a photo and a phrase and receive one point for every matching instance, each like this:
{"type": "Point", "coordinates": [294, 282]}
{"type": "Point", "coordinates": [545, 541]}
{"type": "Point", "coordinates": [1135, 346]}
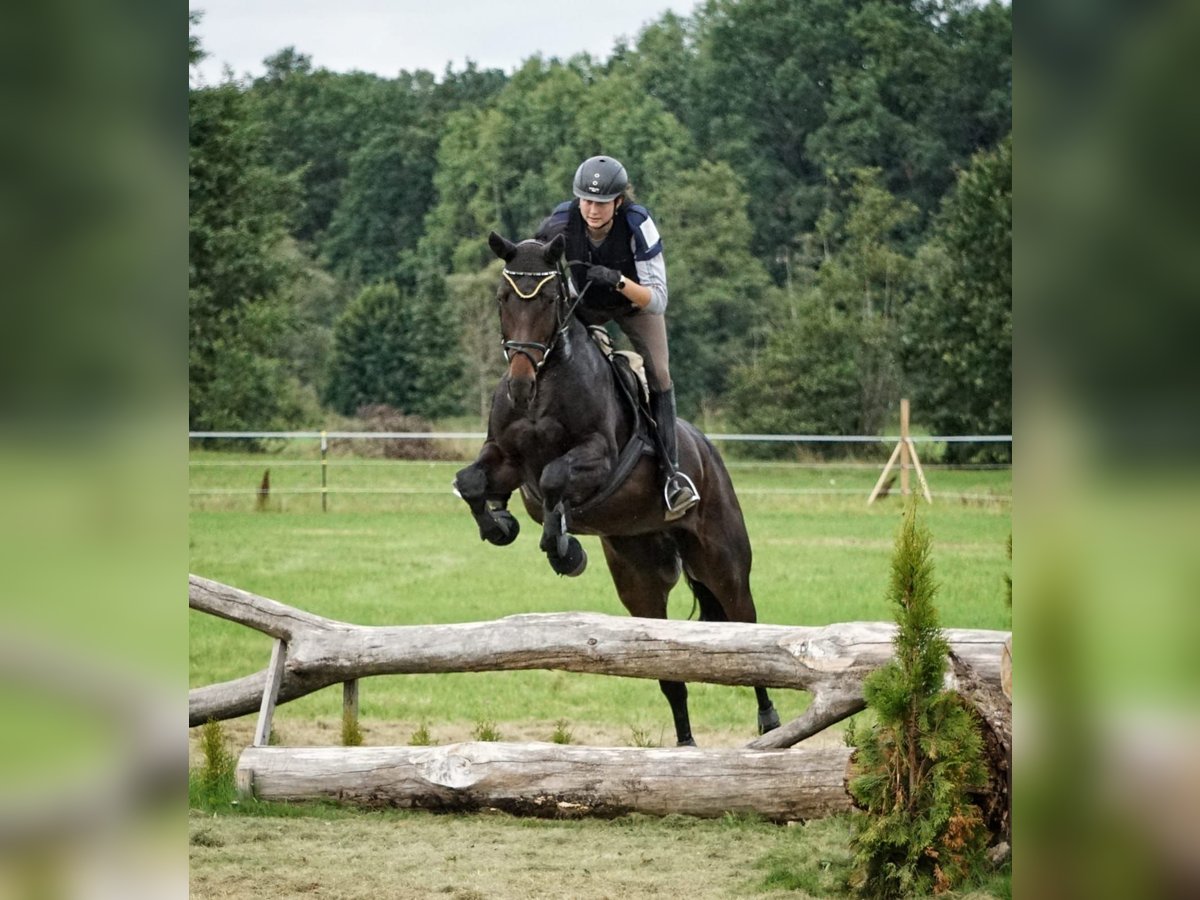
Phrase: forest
{"type": "Point", "coordinates": [832, 180]}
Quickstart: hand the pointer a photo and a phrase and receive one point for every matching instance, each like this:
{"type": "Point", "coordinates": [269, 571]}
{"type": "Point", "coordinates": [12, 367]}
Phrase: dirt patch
{"type": "Point", "coordinates": [478, 856]}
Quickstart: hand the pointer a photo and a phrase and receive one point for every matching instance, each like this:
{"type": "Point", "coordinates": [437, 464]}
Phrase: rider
{"type": "Point", "coordinates": [615, 258]}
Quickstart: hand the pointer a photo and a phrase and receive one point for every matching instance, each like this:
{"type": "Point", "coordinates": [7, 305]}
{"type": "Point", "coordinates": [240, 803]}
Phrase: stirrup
{"type": "Point", "coordinates": [685, 495]}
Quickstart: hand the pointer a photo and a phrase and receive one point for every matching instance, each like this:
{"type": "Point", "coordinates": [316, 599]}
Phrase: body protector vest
{"type": "Point", "coordinates": [623, 246]}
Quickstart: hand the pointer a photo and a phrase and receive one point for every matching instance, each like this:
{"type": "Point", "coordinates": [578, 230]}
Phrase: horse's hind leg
{"type": "Point", "coordinates": [768, 717]}
{"type": "Point", "coordinates": [718, 572]}
{"type": "Point", "coordinates": [644, 569]}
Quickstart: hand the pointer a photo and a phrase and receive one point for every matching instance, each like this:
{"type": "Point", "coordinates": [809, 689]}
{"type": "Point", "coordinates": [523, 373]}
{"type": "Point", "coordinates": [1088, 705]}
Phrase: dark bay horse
{"type": "Point", "coordinates": [557, 430]}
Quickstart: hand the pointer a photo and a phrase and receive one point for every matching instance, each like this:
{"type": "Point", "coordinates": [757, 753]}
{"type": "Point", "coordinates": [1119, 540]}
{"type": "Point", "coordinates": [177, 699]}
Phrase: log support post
{"type": "Point", "coordinates": [349, 709]}
{"type": "Point", "coordinates": [262, 733]}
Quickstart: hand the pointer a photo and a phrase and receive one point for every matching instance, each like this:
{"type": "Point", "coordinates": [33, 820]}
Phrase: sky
{"type": "Point", "coordinates": [385, 37]}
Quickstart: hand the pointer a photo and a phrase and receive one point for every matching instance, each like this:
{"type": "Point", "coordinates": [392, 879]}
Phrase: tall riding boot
{"type": "Point", "coordinates": [679, 491]}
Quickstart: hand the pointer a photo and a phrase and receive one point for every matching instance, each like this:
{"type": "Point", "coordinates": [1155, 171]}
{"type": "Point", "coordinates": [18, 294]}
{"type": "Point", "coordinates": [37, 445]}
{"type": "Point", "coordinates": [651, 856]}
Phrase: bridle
{"type": "Point", "coordinates": [563, 314]}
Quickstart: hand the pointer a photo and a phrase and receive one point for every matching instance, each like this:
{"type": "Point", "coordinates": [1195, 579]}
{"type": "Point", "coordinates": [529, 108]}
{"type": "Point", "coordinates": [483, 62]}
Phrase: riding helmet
{"type": "Point", "coordinates": [600, 178]}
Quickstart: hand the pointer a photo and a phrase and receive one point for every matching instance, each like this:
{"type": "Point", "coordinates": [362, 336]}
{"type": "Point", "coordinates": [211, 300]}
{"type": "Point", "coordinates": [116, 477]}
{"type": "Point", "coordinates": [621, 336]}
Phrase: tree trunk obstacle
{"type": "Point", "coordinates": [556, 781]}
{"type": "Point", "coordinates": [313, 652]}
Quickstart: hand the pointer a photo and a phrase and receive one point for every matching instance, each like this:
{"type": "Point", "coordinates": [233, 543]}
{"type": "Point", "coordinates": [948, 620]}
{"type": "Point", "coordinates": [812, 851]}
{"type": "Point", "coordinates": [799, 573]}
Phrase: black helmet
{"type": "Point", "coordinates": [600, 178]}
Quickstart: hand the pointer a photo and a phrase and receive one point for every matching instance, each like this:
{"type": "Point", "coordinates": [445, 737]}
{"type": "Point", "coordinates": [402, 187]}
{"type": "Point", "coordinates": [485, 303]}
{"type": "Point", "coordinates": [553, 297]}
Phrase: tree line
{"type": "Point", "coordinates": [832, 181]}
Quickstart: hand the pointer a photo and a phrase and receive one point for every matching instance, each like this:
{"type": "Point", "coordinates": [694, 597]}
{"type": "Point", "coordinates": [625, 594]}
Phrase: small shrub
{"type": "Point", "coordinates": [562, 734]}
{"type": "Point", "coordinates": [914, 768]}
{"type": "Point", "coordinates": [420, 737]}
{"type": "Point", "coordinates": [381, 417]}
{"type": "Point", "coordinates": [486, 730]}
{"type": "Point", "coordinates": [641, 737]}
{"type": "Point", "coordinates": [218, 760]}
{"type": "Point", "coordinates": [215, 780]}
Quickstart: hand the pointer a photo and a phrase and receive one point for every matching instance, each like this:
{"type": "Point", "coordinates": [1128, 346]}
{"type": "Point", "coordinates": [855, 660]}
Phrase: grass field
{"type": "Point", "coordinates": [396, 547]}
{"type": "Point", "coordinates": [819, 558]}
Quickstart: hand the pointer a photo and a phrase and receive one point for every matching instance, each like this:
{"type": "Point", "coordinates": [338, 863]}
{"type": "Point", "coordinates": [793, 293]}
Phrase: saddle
{"type": "Point", "coordinates": [628, 366]}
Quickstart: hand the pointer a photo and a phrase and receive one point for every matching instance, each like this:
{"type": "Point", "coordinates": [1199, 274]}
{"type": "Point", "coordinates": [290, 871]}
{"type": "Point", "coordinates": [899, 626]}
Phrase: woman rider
{"type": "Point", "coordinates": [615, 257]}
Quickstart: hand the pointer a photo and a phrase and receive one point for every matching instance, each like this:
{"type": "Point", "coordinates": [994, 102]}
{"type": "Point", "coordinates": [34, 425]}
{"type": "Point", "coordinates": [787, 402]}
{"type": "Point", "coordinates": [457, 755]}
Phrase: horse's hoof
{"type": "Point", "coordinates": [690, 742]}
{"type": "Point", "coordinates": [768, 720]}
{"type": "Point", "coordinates": [571, 563]}
{"type": "Point", "coordinates": [504, 528]}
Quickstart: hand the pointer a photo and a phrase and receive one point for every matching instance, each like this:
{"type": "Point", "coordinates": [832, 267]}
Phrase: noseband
{"type": "Point", "coordinates": [562, 316]}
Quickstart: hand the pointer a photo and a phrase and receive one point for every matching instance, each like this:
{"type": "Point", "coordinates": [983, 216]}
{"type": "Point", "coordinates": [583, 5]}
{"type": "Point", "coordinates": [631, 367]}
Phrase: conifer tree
{"type": "Point", "coordinates": [915, 767]}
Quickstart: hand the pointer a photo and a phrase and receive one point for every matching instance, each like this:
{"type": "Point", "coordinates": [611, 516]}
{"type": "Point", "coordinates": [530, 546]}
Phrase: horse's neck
{"type": "Point", "coordinates": [586, 383]}
{"type": "Point", "coordinates": [577, 353]}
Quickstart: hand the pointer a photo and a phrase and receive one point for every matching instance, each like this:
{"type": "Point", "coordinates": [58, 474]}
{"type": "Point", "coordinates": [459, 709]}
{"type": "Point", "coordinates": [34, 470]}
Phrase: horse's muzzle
{"type": "Point", "coordinates": [521, 391]}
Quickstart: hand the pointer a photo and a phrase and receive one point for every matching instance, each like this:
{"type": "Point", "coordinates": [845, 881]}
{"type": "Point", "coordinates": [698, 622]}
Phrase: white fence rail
{"type": "Point", "coordinates": [832, 486]}
{"type": "Point", "coordinates": [479, 435]}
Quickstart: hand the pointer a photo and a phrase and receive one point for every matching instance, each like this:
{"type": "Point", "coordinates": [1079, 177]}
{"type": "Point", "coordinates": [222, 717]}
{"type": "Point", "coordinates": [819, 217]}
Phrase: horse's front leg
{"type": "Point", "coordinates": [565, 481]}
{"type": "Point", "coordinates": [486, 485]}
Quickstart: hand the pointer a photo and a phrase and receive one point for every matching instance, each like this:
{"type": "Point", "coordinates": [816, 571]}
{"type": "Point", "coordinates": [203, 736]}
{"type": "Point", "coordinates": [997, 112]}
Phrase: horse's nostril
{"type": "Point", "coordinates": [520, 390]}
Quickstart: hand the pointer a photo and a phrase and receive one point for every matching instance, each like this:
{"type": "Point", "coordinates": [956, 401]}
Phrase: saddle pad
{"type": "Point", "coordinates": [636, 364]}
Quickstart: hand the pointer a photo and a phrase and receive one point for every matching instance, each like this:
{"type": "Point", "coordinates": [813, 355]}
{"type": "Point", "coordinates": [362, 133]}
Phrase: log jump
{"type": "Point", "coordinates": [556, 781]}
{"type": "Point", "coordinates": [313, 652]}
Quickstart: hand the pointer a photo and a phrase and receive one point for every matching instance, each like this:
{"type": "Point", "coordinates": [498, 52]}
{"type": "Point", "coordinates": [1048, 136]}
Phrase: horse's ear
{"type": "Point", "coordinates": [503, 248]}
{"type": "Point", "coordinates": [554, 249]}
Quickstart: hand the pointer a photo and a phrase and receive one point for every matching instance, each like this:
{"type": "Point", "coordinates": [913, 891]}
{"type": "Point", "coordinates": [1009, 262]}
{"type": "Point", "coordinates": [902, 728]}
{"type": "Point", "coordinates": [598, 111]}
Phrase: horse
{"type": "Point", "coordinates": [562, 434]}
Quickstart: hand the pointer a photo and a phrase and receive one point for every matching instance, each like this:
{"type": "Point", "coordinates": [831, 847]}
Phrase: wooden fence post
{"type": "Point", "coordinates": [324, 472]}
{"type": "Point", "coordinates": [906, 450]}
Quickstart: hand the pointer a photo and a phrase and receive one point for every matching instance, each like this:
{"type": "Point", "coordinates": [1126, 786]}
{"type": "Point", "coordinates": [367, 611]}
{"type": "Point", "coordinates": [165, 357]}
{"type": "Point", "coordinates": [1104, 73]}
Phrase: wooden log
{"type": "Point", "coordinates": [556, 781]}
{"type": "Point", "coordinates": [994, 709]}
{"type": "Point", "coordinates": [830, 661]}
{"type": "Point", "coordinates": [1006, 669]}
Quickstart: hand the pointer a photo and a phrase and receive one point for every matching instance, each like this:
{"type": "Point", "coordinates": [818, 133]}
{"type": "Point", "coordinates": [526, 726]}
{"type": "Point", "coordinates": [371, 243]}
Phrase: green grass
{"type": "Point", "coordinates": [815, 863]}
{"type": "Point", "coordinates": [416, 558]}
{"type": "Point", "coordinates": [413, 556]}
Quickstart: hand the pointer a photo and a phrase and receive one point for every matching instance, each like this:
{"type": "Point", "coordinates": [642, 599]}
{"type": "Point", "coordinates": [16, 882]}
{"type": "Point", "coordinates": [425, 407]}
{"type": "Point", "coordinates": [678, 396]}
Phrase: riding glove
{"type": "Point", "coordinates": [604, 276]}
